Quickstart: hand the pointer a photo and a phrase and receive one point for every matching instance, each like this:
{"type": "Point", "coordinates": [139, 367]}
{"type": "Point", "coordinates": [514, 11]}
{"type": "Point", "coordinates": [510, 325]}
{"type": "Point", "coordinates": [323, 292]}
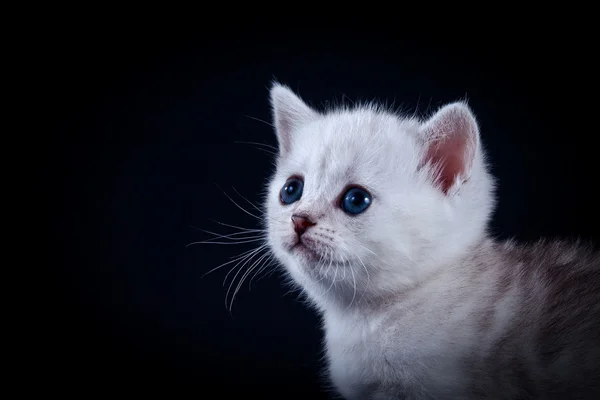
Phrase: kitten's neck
{"type": "Point", "coordinates": [368, 299]}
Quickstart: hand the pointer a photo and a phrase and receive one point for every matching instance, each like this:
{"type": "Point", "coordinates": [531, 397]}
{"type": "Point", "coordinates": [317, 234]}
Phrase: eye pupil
{"type": "Point", "coordinates": [357, 199]}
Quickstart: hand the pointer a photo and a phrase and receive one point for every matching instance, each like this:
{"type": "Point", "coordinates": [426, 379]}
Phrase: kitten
{"type": "Point", "coordinates": [381, 220]}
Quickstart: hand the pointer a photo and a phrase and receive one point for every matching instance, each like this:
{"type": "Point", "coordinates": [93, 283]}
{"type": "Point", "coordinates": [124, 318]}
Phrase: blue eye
{"type": "Point", "coordinates": [291, 191]}
{"type": "Point", "coordinates": [356, 201]}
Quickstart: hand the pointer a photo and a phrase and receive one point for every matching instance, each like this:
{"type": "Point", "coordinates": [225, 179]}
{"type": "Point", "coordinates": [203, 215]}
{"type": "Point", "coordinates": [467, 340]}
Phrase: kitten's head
{"type": "Point", "coordinates": [365, 202]}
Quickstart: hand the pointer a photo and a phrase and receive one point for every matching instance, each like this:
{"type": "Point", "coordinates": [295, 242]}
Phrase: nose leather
{"type": "Point", "coordinates": [301, 224]}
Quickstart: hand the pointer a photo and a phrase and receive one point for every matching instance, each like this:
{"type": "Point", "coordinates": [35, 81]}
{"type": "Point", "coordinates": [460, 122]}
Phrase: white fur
{"type": "Point", "coordinates": [388, 277]}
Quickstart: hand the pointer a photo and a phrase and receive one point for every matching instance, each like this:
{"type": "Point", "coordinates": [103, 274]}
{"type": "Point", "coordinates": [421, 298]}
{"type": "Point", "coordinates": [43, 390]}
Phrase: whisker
{"type": "Point", "coordinates": [248, 256]}
{"type": "Point", "coordinates": [256, 207]}
{"type": "Point", "coordinates": [260, 120]}
{"type": "Point", "coordinates": [367, 249]}
{"type": "Point", "coordinates": [266, 151]}
{"type": "Point", "coordinates": [265, 265]}
{"type": "Point", "coordinates": [354, 284]}
{"type": "Point", "coordinates": [235, 276]}
{"type": "Point", "coordinates": [238, 206]}
{"type": "Point", "coordinates": [321, 273]}
{"type": "Point", "coordinates": [229, 236]}
{"type": "Point", "coordinates": [254, 265]}
{"type": "Point", "coordinates": [257, 144]}
{"type": "Point", "coordinates": [233, 240]}
{"type": "Point", "coordinates": [225, 243]}
{"type": "Point", "coordinates": [333, 280]}
{"type": "Point", "coordinates": [244, 276]}
{"type": "Point", "coordinates": [235, 258]}
{"type": "Point", "coordinates": [368, 277]}
{"type": "Point", "coordinates": [320, 262]}
{"type": "Point", "coordinates": [237, 227]}
{"type": "Point", "coordinates": [248, 201]}
{"type": "Point", "coordinates": [349, 266]}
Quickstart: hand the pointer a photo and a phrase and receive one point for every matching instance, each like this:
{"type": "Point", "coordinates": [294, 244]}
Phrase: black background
{"type": "Point", "coordinates": [146, 126]}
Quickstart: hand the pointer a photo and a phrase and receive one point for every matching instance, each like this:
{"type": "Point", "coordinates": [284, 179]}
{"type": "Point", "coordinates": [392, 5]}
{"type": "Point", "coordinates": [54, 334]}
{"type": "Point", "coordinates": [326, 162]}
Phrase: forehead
{"type": "Point", "coordinates": [352, 148]}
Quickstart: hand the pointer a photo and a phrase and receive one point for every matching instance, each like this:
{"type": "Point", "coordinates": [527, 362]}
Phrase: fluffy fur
{"type": "Point", "coordinates": [417, 301]}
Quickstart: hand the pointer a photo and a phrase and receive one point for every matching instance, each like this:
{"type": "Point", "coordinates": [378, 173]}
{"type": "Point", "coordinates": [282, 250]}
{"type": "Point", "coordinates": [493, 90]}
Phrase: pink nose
{"type": "Point", "coordinates": [301, 224]}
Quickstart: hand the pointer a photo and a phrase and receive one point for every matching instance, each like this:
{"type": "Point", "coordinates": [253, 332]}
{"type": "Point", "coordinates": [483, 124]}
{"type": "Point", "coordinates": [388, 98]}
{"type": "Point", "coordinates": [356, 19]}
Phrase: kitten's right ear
{"type": "Point", "coordinates": [289, 113]}
{"type": "Point", "coordinates": [451, 141]}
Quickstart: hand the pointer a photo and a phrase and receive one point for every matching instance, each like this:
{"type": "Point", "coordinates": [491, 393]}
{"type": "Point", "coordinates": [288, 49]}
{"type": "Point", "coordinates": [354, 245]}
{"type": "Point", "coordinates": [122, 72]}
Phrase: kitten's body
{"type": "Point", "coordinates": [496, 330]}
{"type": "Point", "coordinates": [418, 303]}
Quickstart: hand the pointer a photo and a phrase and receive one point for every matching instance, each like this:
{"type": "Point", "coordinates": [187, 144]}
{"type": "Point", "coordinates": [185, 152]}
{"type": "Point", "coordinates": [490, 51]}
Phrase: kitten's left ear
{"type": "Point", "coordinates": [289, 113]}
{"type": "Point", "coordinates": [451, 141]}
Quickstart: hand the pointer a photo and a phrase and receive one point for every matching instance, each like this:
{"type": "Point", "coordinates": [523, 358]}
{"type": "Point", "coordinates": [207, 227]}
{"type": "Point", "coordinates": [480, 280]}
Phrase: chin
{"type": "Point", "coordinates": [305, 255]}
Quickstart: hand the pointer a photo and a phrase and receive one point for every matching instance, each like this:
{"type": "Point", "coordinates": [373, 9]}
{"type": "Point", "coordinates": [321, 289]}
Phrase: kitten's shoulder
{"type": "Point", "coordinates": [555, 265]}
{"type": "Point", "coordinates": [551, 253]}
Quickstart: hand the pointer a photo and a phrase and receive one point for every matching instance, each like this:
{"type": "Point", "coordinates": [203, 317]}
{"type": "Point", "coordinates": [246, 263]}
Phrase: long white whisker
{"type": "Point", "coordinates": [368, 277]}
{"type": "Point", "coordinates": [237, 227]}
{"type": "Point", "coordinates": [264, 122]}
{"type": "Point", "coordinates": [238, 206]}
{"type": "Point", "coordinates": [256, 207]}
{"type": "Point", "coordinates": [257, 144]}
{"type": "Point", "coordinates": [333, 280]}
{"type": "Point", "coordinates": [367, 249]}
{"type": "Point", "coordinates": [266, 151]}
{"type": "Point", "coordinates": [257, 147]}
{"type": "Point", "coordinates": [235, 258]}
{"type": "Point", "coordinates": [240, 268]}
{"type": "Point", "coordinates": [253, 235]}
{"type": "Point", "coordinates": [353, 284]}
{"type": "Point", "coordinates": [320, 273]}
{"type": "Point", "coordinates": [244, 276]}
{"type": "Point", "coordinates": [247, 257]}
{"type": "Point", "coordinates": [234, 239]}
{"type": "Point", "coordinates": [230, 243]}
{"type": "Point", "coordinates": [264, 266]}
{"type": "Point", "coordinates": [248, 201]}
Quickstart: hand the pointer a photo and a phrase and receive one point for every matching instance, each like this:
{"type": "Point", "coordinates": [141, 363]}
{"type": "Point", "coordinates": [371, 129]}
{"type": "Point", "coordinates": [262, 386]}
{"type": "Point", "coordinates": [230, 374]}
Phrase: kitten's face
{"type": "Point", "coordinates": [351, 209]}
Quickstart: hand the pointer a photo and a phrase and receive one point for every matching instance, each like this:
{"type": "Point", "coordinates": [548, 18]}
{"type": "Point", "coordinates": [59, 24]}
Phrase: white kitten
{"type": "Point", "coordinates": [381, 220]}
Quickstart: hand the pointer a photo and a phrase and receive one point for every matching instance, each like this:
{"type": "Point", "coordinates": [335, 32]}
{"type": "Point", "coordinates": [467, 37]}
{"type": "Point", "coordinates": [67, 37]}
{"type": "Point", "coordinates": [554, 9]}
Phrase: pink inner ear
{"type": "Point", "coordinates": [452, 137]}
{"type": "Point", "coordinates": [448, 156]}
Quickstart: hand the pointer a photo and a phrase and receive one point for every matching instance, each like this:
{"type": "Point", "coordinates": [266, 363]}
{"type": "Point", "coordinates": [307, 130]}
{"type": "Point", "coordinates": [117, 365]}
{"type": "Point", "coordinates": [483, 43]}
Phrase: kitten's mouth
{"type": "Point", "coordinates": [301, 249]}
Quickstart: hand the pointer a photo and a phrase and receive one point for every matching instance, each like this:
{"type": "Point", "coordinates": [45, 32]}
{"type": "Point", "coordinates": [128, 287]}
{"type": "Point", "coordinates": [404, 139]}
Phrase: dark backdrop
{"type": "Point", "coordinates": [146, 128]}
